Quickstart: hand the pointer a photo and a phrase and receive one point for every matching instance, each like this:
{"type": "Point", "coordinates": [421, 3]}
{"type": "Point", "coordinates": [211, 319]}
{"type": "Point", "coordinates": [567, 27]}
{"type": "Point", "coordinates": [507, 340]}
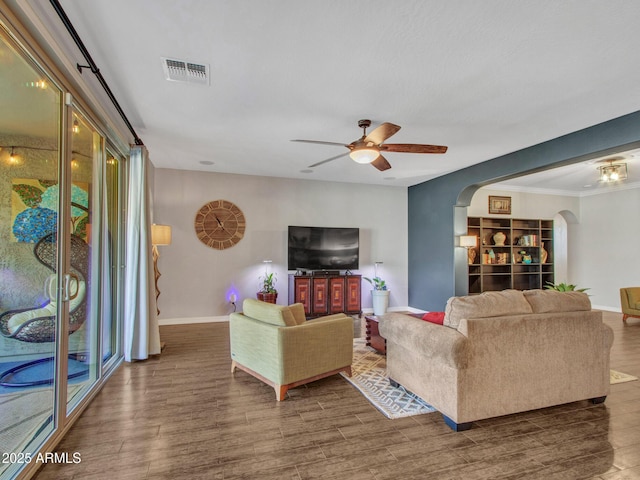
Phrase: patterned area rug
{"type": "Point", "coordinates": [369, 370]}
{"type": "Point", "coordinates": [619, 377]}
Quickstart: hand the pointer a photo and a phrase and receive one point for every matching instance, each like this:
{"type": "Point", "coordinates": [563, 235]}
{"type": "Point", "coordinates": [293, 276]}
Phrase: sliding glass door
{"type": "Point", "coordinates": [61, 250]}
{"type": "Point", "coordinates": [30, 153]}
{"type": "Point", "coordinates": [113, 251]}
{"type": "Point", "coordinates": [83, 360]}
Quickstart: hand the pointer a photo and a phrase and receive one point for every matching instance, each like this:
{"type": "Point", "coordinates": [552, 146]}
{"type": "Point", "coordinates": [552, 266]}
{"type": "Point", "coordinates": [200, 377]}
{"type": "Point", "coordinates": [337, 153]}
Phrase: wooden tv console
{"type": "Point", "coordinates": [325, 294]}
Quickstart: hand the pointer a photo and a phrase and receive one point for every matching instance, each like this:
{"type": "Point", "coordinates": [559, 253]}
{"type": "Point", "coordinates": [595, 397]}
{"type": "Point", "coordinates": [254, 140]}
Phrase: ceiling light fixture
{"type": "Point", "coordinates": [612, 172]}
{"type": "Point", "coordinates": [76, 126]}
{"type": "Point", "coordinates": [364, 154]}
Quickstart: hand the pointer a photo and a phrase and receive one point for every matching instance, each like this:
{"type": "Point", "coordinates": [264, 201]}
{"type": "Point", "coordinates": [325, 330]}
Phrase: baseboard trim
{"type": "Point", "coordinates": [606, 308]}
{"type": "Point", "coordinates": [188, 320]}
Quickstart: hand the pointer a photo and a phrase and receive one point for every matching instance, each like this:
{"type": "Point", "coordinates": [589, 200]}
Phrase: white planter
{"type": "Point", "coordinates": [380, 301]}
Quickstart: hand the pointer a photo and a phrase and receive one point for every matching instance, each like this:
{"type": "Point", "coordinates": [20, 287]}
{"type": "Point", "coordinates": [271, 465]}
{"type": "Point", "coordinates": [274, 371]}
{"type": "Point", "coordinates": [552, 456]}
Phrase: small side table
{"type": "Point", "coordinates": [373, 338]}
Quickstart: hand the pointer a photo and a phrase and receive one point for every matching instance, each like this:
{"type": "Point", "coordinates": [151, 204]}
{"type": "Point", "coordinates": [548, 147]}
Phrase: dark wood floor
{"type": "Point", "coordinates": [183, 416]}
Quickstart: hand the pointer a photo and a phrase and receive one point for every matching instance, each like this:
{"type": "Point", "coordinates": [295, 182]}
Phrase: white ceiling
{"type": "Point", "coordinates": [485, 78]}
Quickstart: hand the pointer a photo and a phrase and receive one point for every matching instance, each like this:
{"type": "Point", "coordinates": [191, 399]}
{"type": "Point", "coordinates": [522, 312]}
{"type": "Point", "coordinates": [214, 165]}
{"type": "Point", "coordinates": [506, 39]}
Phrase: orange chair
{"type": "Point", "coordinates": [630, 302]}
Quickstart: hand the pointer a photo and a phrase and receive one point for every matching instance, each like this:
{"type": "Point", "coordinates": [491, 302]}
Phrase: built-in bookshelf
{"type": "Point", "coordinates": [523, 260]}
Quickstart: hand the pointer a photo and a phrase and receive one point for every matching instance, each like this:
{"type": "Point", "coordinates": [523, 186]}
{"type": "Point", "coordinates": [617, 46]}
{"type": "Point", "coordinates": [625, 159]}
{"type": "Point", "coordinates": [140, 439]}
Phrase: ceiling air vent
{"type": "Point", "coordinates": [182, 71]}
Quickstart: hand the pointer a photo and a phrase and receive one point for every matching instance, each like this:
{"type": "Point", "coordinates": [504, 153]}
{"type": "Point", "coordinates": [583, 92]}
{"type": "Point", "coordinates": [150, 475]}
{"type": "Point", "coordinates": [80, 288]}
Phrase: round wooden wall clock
{"type": "Point", "coordinates": [220, 224]}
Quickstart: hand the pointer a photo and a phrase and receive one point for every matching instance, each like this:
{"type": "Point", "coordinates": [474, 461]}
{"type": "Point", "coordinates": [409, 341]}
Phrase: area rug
{"type": "Point", "coordinates": [619, 377]}
{"type": "Point", "coordinates": [369, 376]}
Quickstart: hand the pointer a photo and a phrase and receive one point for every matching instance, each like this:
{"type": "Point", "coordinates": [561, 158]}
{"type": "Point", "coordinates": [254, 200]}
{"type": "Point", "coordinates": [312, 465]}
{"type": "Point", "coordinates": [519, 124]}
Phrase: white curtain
{"type": "Point", "coordinates": [141, 331]}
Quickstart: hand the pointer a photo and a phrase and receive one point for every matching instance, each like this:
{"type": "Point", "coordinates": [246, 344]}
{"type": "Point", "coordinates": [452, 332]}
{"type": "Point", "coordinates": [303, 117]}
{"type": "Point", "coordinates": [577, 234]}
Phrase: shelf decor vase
{"type": "Point", "coordinates": [543, 253]}
{"type": "Point", "coordinates": [380, 301]}
{"type": "Point", "coordinates": [499, 238]}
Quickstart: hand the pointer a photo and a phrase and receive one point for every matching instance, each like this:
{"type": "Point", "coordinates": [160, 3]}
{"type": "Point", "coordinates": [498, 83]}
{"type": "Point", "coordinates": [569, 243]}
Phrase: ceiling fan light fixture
{"type": "Point", "coordinates": [364, 155]}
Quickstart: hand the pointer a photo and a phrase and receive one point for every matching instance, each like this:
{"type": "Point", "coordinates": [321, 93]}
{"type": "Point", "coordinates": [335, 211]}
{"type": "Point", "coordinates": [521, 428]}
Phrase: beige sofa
{"type": "Point", "coordinates": [500, 353]}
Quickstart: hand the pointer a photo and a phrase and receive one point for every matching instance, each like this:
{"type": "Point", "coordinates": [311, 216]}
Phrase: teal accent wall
{"type": "Point", "coordinates": [437, 208]}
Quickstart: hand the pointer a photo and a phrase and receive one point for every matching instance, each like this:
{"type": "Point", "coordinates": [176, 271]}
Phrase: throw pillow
{"type": "Point", "coordinates": [16, 321]}
{"type": "Point", "coordinates": [434, 317]}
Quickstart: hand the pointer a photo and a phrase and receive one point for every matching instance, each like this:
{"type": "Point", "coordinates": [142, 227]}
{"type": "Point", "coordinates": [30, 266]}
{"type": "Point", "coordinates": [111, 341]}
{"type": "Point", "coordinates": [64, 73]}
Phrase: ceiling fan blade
{"type": "Point", "coordinates": [329, 160]}
{"type": "Point", "coordinates": [381, 163]}
{"type": "Point", "coordinates": [321, 142]}
{"type": "Point", "coordinates": [381, 133]}
{"type": "Point", "coordinates": [412, 148]}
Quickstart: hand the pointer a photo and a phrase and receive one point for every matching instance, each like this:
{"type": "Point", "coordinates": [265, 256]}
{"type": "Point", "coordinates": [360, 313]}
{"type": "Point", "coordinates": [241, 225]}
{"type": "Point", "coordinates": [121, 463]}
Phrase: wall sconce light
{"type": "Point", "coordinates": [160, 236]}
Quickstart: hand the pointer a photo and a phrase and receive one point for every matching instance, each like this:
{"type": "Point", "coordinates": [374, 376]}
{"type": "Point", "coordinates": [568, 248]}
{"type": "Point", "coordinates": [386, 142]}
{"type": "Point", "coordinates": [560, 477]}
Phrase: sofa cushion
{"type": "Point", "coordinates": [268, 312]}
{"type": "Point", "coordinates": [547, 301]}
{"type": "Point", "coordinates": [16, 321]}
{"type": "Point", "coordinates": [297, 310]}
{"type": "Point", "coordinates": [487, 304]}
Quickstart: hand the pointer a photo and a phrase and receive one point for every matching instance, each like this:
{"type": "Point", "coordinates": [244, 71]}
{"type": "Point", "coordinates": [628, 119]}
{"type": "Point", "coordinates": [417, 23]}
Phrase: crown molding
{"type": "Point", "coordinates": [565, 193]}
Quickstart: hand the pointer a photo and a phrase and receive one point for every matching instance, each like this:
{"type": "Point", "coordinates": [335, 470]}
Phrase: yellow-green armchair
{"type": "Point", "coordinates": [277, 345]}
{"type": "Point", "coordinates": [630, 302]}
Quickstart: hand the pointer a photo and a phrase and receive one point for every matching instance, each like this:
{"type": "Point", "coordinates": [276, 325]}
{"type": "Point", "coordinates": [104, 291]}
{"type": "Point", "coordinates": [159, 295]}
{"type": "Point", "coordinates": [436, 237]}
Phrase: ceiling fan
{"type": "Point", "coordinates": [369, 148]}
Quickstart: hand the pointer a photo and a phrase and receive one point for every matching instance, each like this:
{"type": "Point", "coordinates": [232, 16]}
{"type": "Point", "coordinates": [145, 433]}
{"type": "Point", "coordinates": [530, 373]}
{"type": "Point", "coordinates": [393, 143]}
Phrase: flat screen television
{"type": "Point", "coordinates": [323, 248]}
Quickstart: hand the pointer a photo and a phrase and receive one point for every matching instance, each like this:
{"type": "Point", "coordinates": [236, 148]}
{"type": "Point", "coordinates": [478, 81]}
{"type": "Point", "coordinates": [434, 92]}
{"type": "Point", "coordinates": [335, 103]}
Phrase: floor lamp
{"type": "Point", "coordinates": [160, 236]}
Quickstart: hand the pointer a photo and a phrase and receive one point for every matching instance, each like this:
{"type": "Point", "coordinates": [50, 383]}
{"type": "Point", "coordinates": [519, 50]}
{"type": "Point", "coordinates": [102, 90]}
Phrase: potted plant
{"type": "Point", "coordinates": [268, 293]}
{"type": "Point", "coordinates": [379, 294]}
{"type": "Point", "coordinates": [564, 287]}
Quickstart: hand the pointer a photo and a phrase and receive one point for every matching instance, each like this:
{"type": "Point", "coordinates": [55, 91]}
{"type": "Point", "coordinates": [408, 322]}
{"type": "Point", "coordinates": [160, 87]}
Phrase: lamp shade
{"type": "Point", "coordinates": [468, 241]}
{"type": "Point", "coordinates": [364, 155]}
{"type": "Point", "coordinates": [160, 234]}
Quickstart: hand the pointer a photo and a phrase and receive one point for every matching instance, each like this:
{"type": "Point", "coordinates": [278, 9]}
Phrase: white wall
{"type": "Point", "coordinates": [602, 243]}
{"type": "Point", "coordinates": [603, 252]}
{"type": "Point", "coordinates": [523, 204]}
{"type": "Point", "coordinates": [196, 279]}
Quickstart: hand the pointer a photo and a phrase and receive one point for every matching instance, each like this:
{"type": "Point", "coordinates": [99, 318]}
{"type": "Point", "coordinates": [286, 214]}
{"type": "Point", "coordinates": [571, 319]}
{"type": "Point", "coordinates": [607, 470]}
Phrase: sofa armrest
{"type": "Point", "coordinates": [316, 347]}
{"type": "Point", "coordinates": [433, 341]}
{"type": "Point", "coordinates": [332, 317]}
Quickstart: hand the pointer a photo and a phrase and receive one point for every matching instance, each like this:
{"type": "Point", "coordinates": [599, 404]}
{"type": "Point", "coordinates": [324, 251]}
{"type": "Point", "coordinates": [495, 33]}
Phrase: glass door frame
{"type": "Point", "coordinates": [118, 308]}
{"type": "Point", "coordinates": [28, 48]}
